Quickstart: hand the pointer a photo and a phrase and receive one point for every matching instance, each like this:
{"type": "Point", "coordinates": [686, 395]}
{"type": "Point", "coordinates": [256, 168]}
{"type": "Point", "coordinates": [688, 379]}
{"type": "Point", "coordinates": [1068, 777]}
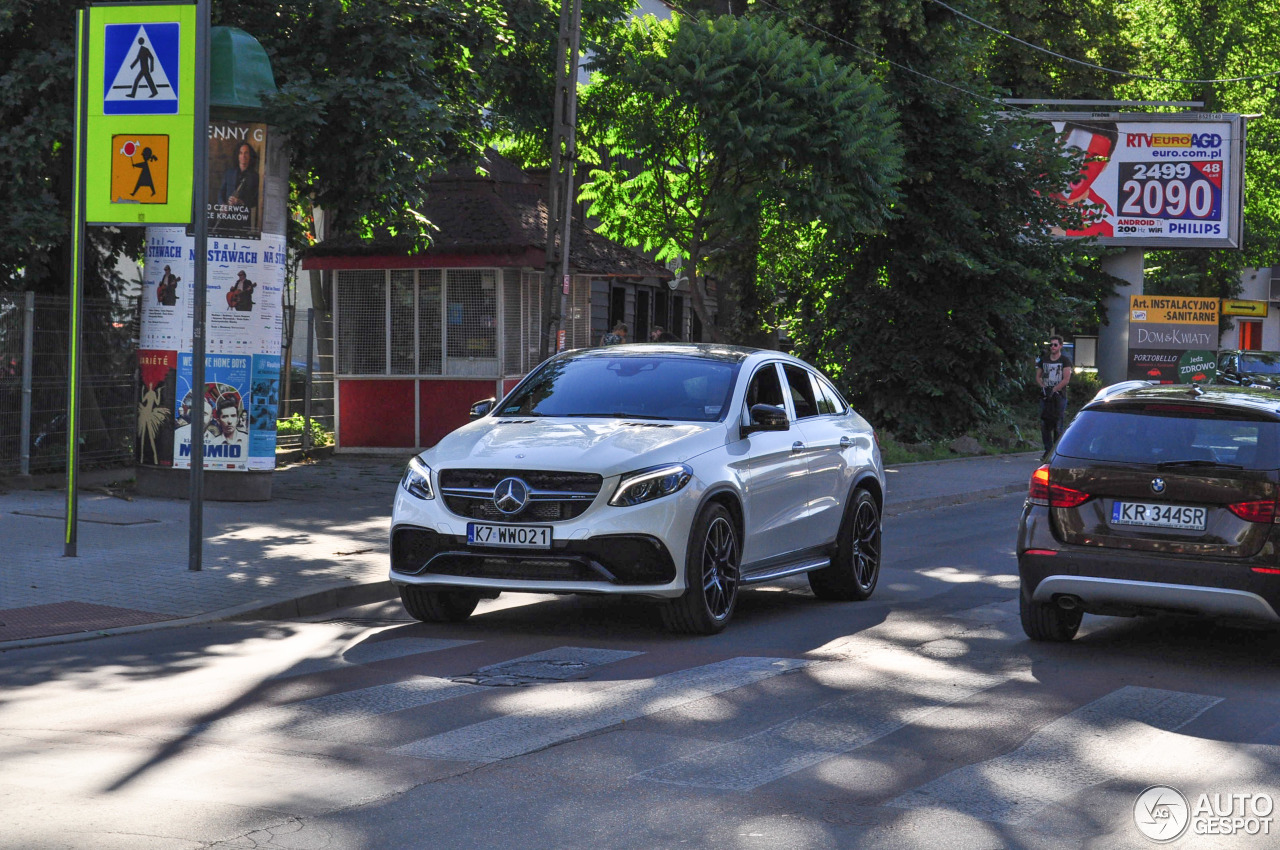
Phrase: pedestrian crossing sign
{"type": "Point", "coordinates": [139, 169]}
{"type": "Point", "coordinates": [140, 69]}
{"type": "Point", "coordinates": [138, 95]}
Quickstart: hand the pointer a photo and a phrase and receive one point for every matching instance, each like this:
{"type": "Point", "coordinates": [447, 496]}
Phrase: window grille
{"type": "Point", "coordinates": [362, 322]}
{"type": "Point", "coordinates": [513, 329]}
{"type": "Point", "coordinates": [471, 322]}
{"type": "Point", "coordinates": [403, 348]}
{"type": "Point", "coordinates": [430, 340]}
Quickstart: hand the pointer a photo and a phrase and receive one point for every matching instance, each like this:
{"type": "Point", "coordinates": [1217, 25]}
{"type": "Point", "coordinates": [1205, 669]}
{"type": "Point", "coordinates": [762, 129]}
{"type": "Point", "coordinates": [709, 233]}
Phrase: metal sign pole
{"type": "Point", "coordinates": [200, 221]}
{"type": "Point", "coordinates": [77, 286]}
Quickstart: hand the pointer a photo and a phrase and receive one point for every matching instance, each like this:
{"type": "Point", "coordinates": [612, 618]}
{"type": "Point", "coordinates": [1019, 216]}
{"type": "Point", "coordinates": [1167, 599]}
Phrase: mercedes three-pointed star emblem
{"type": "Point", "coordinates": [511, 495]}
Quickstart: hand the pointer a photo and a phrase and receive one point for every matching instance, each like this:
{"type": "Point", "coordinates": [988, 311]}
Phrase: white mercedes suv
{"type": "Point", "coordinates": [680, 472]}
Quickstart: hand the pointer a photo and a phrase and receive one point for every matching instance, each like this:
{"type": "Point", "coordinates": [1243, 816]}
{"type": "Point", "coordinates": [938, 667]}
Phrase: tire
{"type": "Point", "coordinates": [855, 569]}
{"type": "Point", "coordinates": [438, 606]}
{"type": "Point", "coordinates": [712, 576]}
{"type": "Point", "coordinates": [1046, 621]}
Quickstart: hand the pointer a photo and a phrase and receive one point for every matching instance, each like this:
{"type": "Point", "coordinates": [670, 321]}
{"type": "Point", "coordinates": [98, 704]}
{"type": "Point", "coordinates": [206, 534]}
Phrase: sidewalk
{"type": "Point", "coordinates": [320, 543]}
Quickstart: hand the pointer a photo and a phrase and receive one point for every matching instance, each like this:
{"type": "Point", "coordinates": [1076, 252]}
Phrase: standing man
{"type": "Point", "coordinates": [1053, 373]}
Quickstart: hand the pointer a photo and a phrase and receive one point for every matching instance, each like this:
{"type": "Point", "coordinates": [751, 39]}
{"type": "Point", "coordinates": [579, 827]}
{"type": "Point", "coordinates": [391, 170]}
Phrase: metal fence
{"type": "Point", "coordinates": [34, 353]}
{"type": "Point", "coordinates": [307, 377]}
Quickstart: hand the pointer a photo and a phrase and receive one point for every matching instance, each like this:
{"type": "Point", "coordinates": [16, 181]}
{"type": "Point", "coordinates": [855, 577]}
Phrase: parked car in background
{"type": "Point", "coordinates": [1156, 499]}
{"type": "Point", "coordinates": [1249, 368]}
{"type": "Point", "coordinates": [678, 472]}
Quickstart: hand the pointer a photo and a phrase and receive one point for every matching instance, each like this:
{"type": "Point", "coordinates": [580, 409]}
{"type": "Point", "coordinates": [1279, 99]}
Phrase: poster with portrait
{"type": "Point", "coordinates": [237, 153]}
{"type": "Point", "coordinates": [1155, 180]}
{"type": "Point", "coordinates": [226, 432]}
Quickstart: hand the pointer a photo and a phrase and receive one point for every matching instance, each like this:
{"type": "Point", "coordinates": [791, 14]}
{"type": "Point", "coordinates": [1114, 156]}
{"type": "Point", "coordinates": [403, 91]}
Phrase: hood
{"type": "Point", "coordinates": [604, 446]}
{"type": "Point", "coordinates": [1266, 379]}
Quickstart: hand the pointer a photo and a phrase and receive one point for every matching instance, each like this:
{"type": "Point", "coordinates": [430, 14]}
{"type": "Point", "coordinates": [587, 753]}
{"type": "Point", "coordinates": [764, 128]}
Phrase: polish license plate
{"type": "Point", "coordinates": [512, 536]}
{"type": "Point", "coordinates": [1158, 516]}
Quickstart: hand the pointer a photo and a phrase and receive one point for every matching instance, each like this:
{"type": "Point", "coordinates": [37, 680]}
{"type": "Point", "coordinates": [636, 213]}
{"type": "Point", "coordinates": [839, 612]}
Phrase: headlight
{"type": "Point", "coordinates": [649, 484]}
{"type": "Point", "coordinates": [417, 479]}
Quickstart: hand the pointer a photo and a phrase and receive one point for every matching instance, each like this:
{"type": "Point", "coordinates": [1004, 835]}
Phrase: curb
{"type": "Point", "coordinates": [894, 510]}
{"type": "Point", "coordinates": [307, 605]}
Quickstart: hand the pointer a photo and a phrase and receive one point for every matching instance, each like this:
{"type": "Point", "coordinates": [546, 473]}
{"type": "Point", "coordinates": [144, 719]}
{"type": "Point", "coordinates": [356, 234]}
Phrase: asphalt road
{"type": "Point", "coordinates": [921, 718]}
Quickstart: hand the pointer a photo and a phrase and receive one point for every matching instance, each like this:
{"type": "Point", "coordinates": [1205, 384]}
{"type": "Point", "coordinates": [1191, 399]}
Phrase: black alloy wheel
{"type": "Point", "coordinates": [438, 606]}
{"type": "Point", "coordinates": [855, 569]}
{"type": "Point", "coordinates": [712, 576]}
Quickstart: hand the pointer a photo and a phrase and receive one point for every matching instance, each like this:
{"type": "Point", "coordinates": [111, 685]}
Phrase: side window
{"type": "Point", "coordinates": [833, 398]}
{"type": "Point", "coordinates": [765, 388]}
{"type": "Point", "coordinates": [801, 389]}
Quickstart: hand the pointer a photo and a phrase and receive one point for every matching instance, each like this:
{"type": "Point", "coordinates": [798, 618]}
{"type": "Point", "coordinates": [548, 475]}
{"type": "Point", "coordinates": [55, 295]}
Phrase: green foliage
{"type": "Point", "coordinates": [296, 424]}
{"type": "Point", "coordinates": [710, 132]}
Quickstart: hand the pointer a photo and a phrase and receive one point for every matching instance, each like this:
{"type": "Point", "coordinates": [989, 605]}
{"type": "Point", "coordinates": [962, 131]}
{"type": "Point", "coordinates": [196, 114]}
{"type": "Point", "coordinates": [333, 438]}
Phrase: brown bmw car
{"type": "Point", "coordinates": [1157, 499]}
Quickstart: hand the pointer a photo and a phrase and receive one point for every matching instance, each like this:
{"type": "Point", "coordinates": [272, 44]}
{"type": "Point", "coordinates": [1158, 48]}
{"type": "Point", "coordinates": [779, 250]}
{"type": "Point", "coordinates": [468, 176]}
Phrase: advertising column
{"type": "Point", "coordinates": [245, 264]}
{"type": "Point", "coordinates": [1172, 339]}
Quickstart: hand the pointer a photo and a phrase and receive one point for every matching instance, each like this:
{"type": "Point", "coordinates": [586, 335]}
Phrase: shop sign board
{"type": "Point", "coordinates": [1173, 339]}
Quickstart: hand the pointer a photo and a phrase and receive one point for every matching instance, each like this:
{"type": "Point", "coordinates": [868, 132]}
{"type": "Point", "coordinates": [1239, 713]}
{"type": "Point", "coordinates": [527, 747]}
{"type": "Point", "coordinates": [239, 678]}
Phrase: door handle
{"type": "Point", "coordinates": [797, 447]}
{"type": "Point", "coordinates": [846, 441]}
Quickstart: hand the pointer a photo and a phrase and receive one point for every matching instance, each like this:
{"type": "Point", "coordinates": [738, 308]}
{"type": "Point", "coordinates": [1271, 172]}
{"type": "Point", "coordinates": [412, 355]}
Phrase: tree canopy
{"type": "Point", "coordinates": [708, 129]}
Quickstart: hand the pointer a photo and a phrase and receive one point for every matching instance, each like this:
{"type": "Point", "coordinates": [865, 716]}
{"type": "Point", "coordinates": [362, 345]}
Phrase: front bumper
{"type": "Point", "coordinates": [635, 550]}
{"type": "Point", "coordinates": [1127, 583]}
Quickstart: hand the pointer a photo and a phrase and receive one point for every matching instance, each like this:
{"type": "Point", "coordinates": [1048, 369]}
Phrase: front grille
{"type": "Point", "coordinates": [613, 559]}
{"type": "Point", "coordinates": [554, 496]}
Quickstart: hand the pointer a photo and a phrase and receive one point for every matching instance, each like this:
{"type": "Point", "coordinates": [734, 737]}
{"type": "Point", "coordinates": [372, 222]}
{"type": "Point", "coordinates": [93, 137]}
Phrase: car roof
{"type": "Point", "coordinates": [1247, 352]}
{"type": "Point", "coordinates": [1255, 400]}
{"type": "Point", "coordinates": [699, 350]}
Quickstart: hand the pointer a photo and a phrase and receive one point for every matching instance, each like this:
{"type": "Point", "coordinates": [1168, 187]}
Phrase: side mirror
{"type": "Point", "coordinates": [482, 408]}
{"type": "Point", "coordinates": [766, 417]}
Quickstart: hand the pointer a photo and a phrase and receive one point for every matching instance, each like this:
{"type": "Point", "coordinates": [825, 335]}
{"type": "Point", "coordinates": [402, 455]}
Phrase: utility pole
{"type": "Point", "coordinates": [564, 156]}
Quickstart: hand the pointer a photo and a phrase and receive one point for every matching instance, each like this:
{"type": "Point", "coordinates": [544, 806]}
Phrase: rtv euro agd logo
{"type": "Point", "coordinates": [1162, 814]}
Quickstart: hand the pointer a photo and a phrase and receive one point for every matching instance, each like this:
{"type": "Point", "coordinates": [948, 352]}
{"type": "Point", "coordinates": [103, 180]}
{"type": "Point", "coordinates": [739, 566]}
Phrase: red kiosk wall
{"type": "Point", "coordinates": [376, 414]}
{"type": "Point", "coordinates": [445, 405]}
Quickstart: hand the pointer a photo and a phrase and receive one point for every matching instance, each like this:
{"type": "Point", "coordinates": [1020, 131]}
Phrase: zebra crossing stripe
{"type": "Point", "coordinates": [579, 714]}
{"type": "Point", "coordinates": [1124, 733]}
{"type": "Point", "coordinates": [314, 716]}
{"type": "Point", "coordinates": [878, 708]}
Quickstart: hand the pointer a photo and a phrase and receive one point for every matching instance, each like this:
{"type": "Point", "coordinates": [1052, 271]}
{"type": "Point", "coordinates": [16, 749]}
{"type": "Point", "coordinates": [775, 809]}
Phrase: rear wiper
{"type": "Point", "coordinates": [1170, 464]}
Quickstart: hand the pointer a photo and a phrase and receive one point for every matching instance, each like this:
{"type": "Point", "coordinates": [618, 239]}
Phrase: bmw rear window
{"type": "Point", "coordinates": [1172, 434]}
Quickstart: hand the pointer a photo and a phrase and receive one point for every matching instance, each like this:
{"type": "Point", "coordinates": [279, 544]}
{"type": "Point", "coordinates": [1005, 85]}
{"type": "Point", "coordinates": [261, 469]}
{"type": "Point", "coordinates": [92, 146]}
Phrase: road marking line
{"type": "Point", "coordinates": [573, 715]}
{"type": "Point", "coordinates": [369, 652]}
{"type": "Point", "coordinates": [1110, 737]}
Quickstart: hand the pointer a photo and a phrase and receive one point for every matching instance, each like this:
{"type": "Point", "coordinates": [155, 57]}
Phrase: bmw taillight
{"type": "Point", "coordinates": [1263, 510]}
{"type": "Point", "coordinates": [1050, 495]}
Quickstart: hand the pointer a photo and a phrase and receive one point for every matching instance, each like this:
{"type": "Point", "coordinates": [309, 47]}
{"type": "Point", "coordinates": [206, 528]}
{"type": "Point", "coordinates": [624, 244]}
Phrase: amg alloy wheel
{"type": "Point", "coordinates": [711, 575]}
{"type": "Point", "coordinates": [855, 569]}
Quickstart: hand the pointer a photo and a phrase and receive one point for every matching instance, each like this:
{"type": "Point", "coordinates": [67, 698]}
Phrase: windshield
{"type": "Point", "coordinates": [1172, 436]}
{"type": "Point", "coordinates": [1260, 365]}
{"type": "Point", "coordinates": [627, 387]}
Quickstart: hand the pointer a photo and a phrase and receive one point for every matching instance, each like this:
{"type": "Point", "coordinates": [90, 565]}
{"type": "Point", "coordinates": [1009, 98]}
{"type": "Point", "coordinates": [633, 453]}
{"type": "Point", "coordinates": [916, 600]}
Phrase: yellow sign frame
{"type": "Point", "coordinates": [103, 205]}
{"type": "Point", "coordinates": [1240, 307]}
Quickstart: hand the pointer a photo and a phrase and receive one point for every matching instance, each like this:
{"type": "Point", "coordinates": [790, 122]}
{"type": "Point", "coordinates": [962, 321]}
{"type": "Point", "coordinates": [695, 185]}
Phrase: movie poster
{"type": "Point", "coordinates": [226, 433]}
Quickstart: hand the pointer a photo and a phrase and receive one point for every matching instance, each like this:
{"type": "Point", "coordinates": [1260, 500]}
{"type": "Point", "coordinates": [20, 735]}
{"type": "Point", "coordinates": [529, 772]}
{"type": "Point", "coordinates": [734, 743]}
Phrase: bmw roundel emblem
{"type": "Point", "coordinates": [511, 495]}
{"type": "Point", "coordinates": [1157, 485]}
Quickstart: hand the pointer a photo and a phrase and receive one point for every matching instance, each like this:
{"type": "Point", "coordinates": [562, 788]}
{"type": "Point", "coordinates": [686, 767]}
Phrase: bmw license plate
{"type": "Point", "coordinates": [512, 536]}
{"type": "Point", "coordinates": [1158, 516]}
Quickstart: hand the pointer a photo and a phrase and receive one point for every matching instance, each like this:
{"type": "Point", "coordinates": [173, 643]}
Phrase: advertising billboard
{"type": "Point", "coordinates": [1156, 180]}
{"type": "Point", "coordinates": [1173, 339]}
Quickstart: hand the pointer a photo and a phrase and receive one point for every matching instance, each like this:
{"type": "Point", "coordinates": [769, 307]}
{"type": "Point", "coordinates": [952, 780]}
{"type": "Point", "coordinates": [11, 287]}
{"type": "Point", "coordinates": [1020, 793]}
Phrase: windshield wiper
{"type": "Point", "coordinates": [1171, 464]}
